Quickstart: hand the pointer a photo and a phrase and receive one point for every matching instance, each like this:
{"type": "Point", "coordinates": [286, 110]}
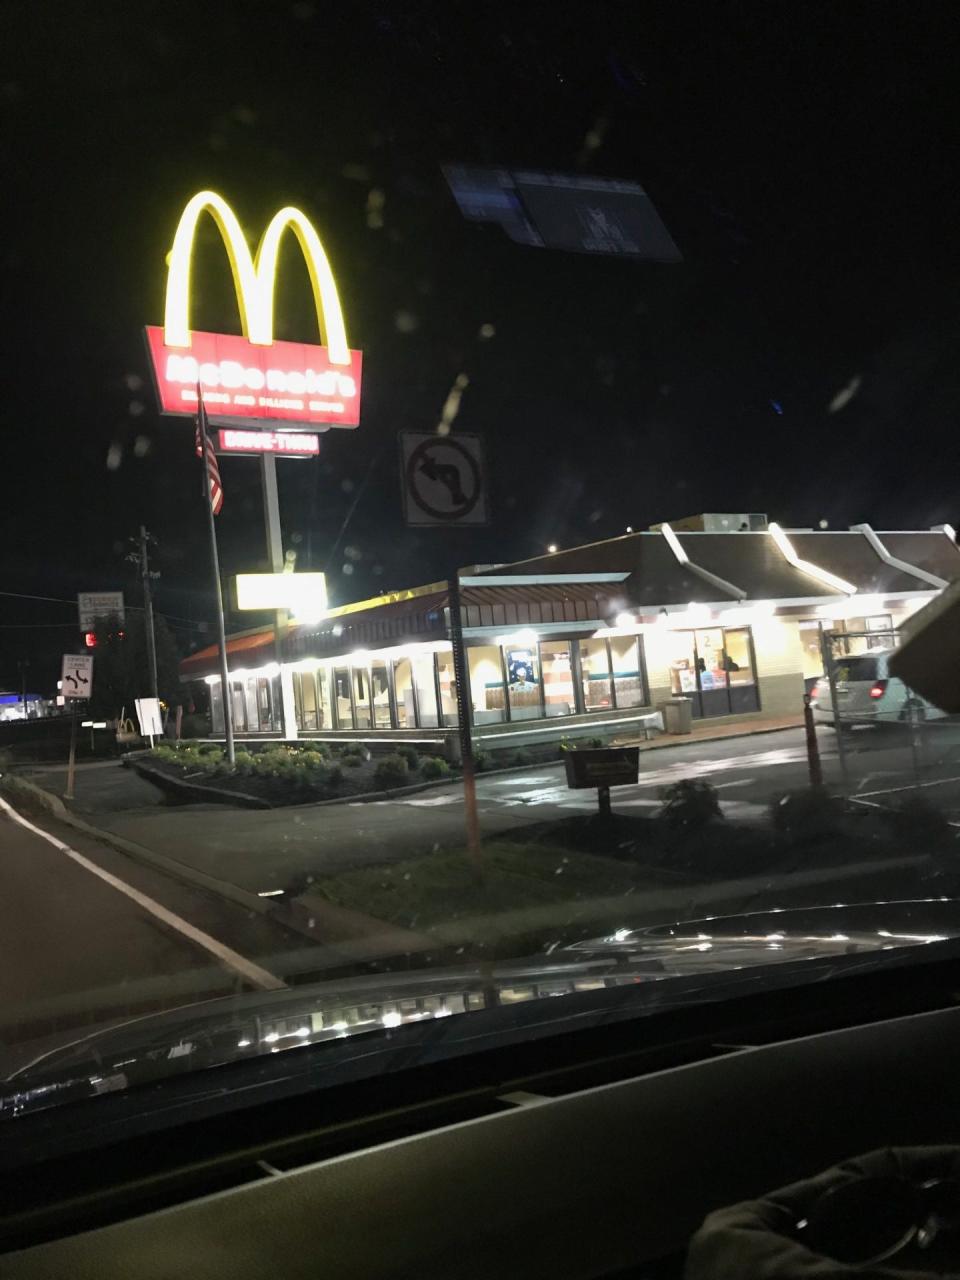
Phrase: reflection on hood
{"type": "Point", "coordinates": [237, 1028]}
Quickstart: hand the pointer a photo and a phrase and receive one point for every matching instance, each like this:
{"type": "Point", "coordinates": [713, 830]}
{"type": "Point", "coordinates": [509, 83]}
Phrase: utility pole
{"type": "Point", "coordinates": [141, 557]}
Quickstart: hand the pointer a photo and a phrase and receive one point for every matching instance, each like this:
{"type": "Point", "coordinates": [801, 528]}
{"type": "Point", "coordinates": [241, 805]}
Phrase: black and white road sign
{"type": "Point", "coordinates": [442, 478]}
{"type": "Point", "coordinates": [76, 675]}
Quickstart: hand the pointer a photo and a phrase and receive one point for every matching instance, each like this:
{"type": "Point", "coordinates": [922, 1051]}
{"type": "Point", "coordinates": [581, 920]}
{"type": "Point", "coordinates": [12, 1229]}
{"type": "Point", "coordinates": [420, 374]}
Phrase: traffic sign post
{"type": "Point", "coordinates": [76, 684]}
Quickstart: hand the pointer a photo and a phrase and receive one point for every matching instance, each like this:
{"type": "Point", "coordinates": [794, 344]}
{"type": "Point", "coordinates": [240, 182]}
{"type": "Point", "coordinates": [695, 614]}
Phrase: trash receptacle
{"type": "Point", "coordinates": [677, 715]}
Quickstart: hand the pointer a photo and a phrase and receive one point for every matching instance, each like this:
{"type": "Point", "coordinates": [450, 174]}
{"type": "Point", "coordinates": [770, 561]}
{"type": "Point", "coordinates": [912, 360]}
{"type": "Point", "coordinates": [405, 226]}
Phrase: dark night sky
{"type": "Point", "coordinates": [804, 158]}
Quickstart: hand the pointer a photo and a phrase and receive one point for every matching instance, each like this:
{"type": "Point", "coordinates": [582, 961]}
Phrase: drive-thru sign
{"type": "Point", "coordinates": [76, 675]}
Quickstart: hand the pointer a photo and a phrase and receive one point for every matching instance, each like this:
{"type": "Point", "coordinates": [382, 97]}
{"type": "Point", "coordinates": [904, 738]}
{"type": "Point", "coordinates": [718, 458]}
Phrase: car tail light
{"type": "Point", "coordinates": [879, 689]}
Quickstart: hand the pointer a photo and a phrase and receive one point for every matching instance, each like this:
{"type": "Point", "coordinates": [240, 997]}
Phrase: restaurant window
{"type": "Point", "coordinates": [880, 629]}
{"type": "Point", "coordinates": [305, 684]}
{"type": "Point", "coordinates": [486, 684]}
{"type": "Point", "coordinates": [425, 681]}
{"type": "Point", "coordinates": [361, 697]}
{"type": "Point", "coordinates": [863, 633]}
{"type": "Point", "coordinates": [447, 683]}
{"type": "Point", "coordinates": [523, 681]}
{"type": "Point", "coordinates": [595, 675]}
{"type": "Point", "coordinates": [403, 684]}
{"type": "Point", "coordinates": [216, 707]}
{"type": "Point", "coordinates": [555, 663]}
{"type": "Point", "coordinates": [239, 706]}
{"type": "Point", "coordinates": [341, 688]}
{"type": "Point", "coordinates": [741, 677]}
{"type": "Point", "coordinates": [812, 654]}
{"type": "Point", "coordinates": [627, 674]}
{"type": "Point", "coordinates": [322, 679]}
{"type": "Point", "coordinates": [380, 689]}
{"type": "Point", "coordinates": [251, 713]}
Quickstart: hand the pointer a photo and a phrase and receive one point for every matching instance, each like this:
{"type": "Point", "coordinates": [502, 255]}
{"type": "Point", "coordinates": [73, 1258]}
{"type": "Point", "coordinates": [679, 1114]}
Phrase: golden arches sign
{"type": "Point", "coordinates": [254, 377]}
{"type": "Point", "coordinates": [254, 278]}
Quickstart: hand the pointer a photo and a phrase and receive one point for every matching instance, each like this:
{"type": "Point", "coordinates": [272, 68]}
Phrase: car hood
{"type": "Point", "coordinates": [704, 950]}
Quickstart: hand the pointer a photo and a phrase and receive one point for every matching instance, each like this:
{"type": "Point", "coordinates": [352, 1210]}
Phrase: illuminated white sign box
{"type": "Point", "coordinates": [287, 444]}
{"type": "Point", "coordinates": [303, 594]}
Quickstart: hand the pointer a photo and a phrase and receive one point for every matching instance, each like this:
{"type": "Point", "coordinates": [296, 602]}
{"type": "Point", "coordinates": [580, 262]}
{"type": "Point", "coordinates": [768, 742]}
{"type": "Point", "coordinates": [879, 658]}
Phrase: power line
{"type": "Point", "coordinates": [137, 608]}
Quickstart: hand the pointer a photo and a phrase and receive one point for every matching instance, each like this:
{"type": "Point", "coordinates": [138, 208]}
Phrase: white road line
{"type": "Point", "coordinates": [253, 973]}
{"type": "Point", "coordinates": [889, 791]}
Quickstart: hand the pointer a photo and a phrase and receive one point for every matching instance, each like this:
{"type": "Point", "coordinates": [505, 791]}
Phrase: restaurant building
{"type": "Point", "coordinates": [724, 611]}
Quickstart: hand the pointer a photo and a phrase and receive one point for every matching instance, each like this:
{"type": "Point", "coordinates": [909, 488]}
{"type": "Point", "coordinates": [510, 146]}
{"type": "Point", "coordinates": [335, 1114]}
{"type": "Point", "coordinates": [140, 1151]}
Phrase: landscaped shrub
{"type": "Point", "coordinates": [243, 763]}
{"type": "Point", "coordinates": [391, 771]}
{"type": "Point", "coordinates": [353, 761]}
{"type": "Point", "coordinates": [596, 743]}
{"type": "Point", "coordinates": [168, 754]}
{"type": "Point", "coordinates": [689, 804]}
{"type": "Point", "coordinates": [411, 755]}
{"type": "Point", "coordinates": [316, 749]}
{"type": "Point", "coordinates": [520, 757]}
{"type": "Point", "coordinates": [434, 767]}
{"type": "Point", "coordinates": [335, 777]}
{"type": "Point", "coordinates": [809, 814]}
{"type": "Point", "coordinates": [210, 749]}
{"type": "Point", "coordinates": [481, 761]}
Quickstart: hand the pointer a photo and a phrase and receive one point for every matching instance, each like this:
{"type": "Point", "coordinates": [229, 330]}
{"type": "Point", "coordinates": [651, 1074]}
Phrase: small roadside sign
{"type": "Point", "coordinates": [99, 604]}
{"type": "Point", "coordinates": [76, 677]}
{"type": "Point", "coordinates": [443, 478]}
{"type": "Point", "coordinates": [148, 714]}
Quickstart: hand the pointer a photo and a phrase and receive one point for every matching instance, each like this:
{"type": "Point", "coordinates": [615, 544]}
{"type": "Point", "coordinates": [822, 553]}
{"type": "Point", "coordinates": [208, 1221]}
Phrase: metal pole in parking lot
{"type": "Point", "coordinates": [463, 721]}
{"type": "Point", "coordinates": [826, 654]}
{"type": "Point", "coordinates": [813, 747]}
{"type": "Point", "coordinates": [72, 758]}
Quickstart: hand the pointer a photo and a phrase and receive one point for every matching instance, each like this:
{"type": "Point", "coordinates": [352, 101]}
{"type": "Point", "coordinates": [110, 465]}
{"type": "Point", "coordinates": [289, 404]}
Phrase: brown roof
{"type": "Point", "coordinates": [935, 552]}
{"type": "Point", "coordinates": [851, 556]}
{"type": "Point", "coordinates": [654, 577]}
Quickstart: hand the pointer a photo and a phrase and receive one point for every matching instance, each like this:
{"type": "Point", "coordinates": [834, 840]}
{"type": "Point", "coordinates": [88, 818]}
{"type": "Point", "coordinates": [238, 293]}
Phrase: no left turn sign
{"type": "Point", "coordinates": [443, 479]}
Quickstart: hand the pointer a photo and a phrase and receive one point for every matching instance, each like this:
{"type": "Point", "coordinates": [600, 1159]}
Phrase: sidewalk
{"type": "Point", "coordinates": [710, 731]}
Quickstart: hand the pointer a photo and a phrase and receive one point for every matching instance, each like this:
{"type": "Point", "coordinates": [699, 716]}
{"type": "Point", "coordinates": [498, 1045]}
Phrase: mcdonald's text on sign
{"type": "Point", "coordinates": [285, 382]}
{"type": "Point", "coordinates": [254, 377]}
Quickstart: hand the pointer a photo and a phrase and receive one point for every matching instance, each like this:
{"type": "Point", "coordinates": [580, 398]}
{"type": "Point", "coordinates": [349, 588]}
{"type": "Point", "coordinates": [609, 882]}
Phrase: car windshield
{"type": "Point", "coordinates": [421, 595]}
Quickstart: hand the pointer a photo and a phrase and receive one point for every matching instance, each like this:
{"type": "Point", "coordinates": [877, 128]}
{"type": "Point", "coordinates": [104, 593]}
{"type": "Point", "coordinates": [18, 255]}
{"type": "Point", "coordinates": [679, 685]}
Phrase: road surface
{"type": "Point", "coordinates": [88, 933]}
{"type": "Point", "coordinates": [268, 850]}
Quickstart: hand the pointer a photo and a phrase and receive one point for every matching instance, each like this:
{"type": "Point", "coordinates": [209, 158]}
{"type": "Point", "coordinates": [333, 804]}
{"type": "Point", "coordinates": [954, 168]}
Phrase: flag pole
{"type": "Point", "coordinates": [215, 560]}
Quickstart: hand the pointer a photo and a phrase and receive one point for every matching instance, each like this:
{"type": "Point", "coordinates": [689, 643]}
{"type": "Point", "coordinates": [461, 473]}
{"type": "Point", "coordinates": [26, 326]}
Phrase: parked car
{"type": "Point", "coordinates": [868, 694]}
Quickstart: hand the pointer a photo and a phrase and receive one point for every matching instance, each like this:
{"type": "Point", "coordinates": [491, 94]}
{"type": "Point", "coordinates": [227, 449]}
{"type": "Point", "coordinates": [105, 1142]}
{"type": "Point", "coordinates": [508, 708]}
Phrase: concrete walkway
{"type": "Point", "coordinates": [713, 730]}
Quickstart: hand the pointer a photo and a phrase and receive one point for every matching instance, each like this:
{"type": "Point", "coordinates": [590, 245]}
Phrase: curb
{"type": "Point", "coordinates": [140, 853]}
{"type": "Point", "coordinates": [215, 794]}
{"type": "Point", "coordinates": [244, 800]}
{"type": "Point", "coordinates": [293, 914]}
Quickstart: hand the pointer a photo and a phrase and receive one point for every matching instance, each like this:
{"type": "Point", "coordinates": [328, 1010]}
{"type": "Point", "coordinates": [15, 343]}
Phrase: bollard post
{"type": "Point", "coordinates": [813, 747]}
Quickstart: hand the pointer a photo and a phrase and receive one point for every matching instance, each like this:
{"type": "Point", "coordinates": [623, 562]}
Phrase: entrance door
{"type": "Point", "coordinates": [683, 669]}
{"type": "Point", "coordinates": [711, 672]}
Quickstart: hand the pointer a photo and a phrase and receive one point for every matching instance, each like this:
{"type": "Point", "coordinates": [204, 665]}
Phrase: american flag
{"type": "Point", "coordinates": [204, 443]}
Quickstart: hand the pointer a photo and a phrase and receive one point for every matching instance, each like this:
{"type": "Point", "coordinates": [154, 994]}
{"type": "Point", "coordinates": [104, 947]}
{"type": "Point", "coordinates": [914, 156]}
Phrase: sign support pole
{"type": "Point", "coordinates": [148, 613]}
{"type": "Point", "coordinates": [72, 758]}
{"type": "Point", "coordinates": [225, 697]}
{"type": "Point", "coordinates": [829, 666]}
{"type": "Point", "coordinates": [271, 511]}
{"type": "Point", "coordinates": [461, 677]}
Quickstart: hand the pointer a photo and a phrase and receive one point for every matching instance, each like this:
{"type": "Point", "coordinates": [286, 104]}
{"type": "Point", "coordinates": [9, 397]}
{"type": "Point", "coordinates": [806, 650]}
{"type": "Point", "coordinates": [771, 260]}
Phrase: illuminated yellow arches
{"type": "Point", "coordinates": [254, 278]}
